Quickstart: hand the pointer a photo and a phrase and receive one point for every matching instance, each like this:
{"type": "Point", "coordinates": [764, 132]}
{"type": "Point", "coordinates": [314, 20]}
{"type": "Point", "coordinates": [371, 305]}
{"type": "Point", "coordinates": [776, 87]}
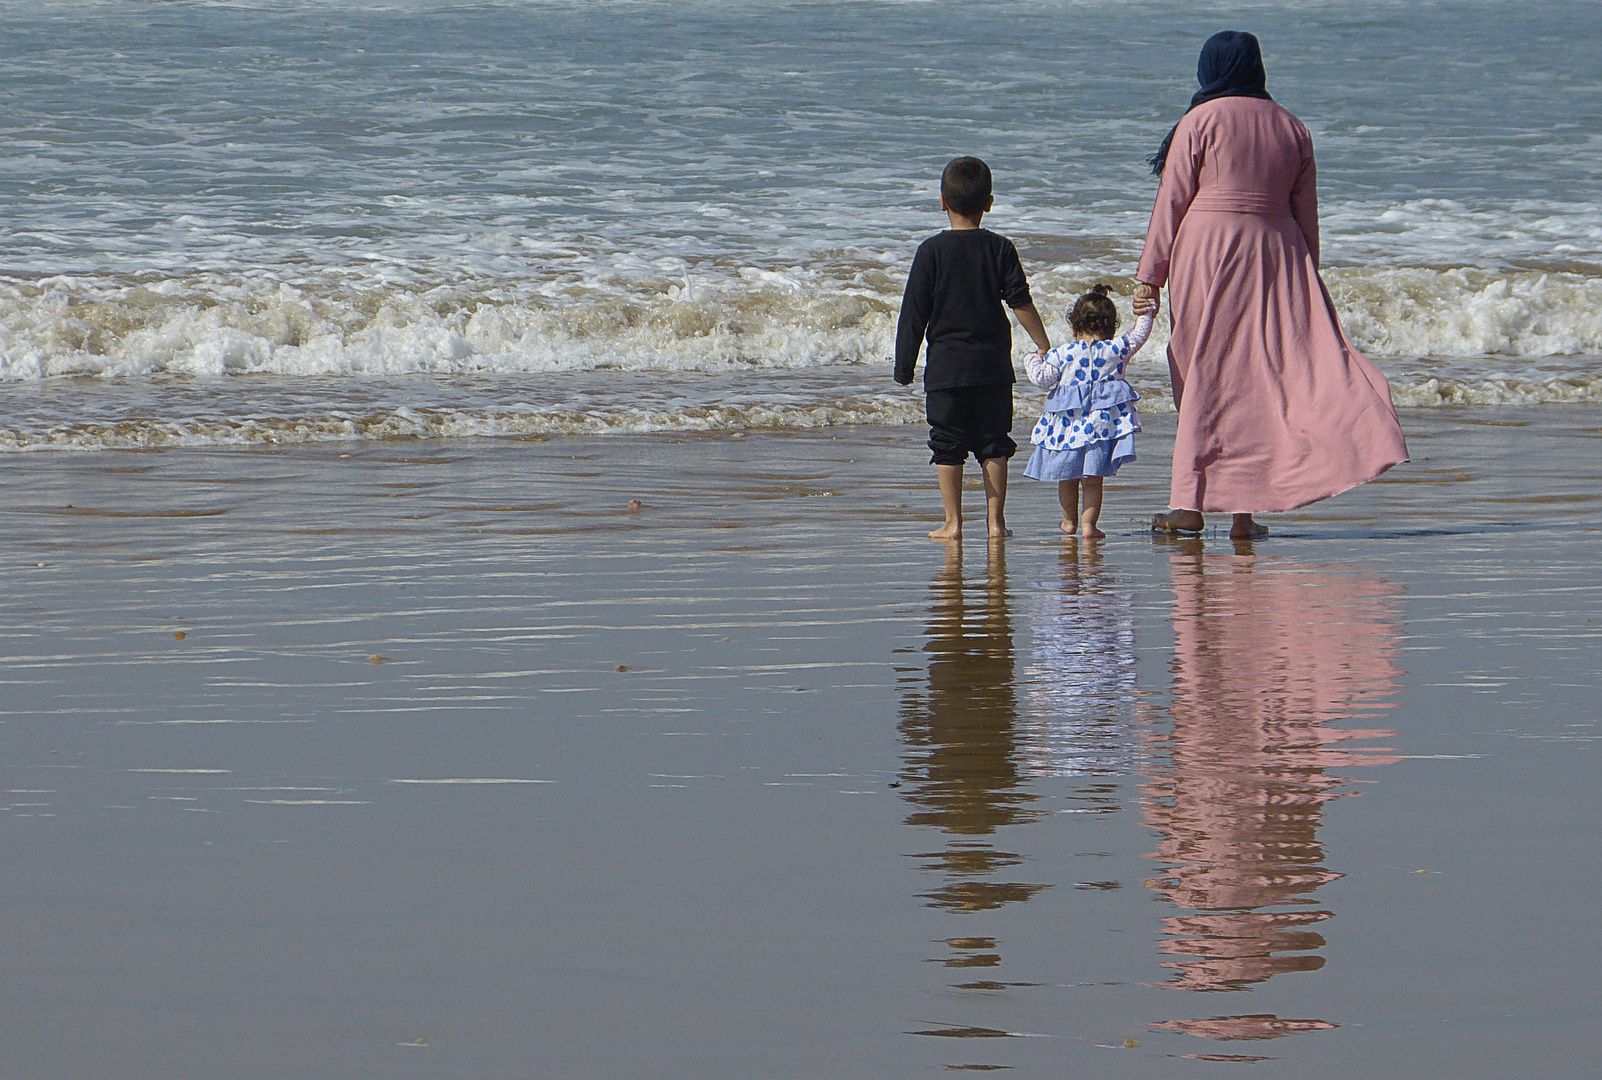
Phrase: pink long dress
{"type": "Point", "coordinates": [1277, 409]}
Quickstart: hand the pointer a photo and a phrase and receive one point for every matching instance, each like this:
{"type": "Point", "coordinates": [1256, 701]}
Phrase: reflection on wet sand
{"type": "Point", "coordinates": [1081, 677]}
{"type": "Point", "coordinates": [1268, 653]}
{"type": "Point", "coordinates": [962, 763]}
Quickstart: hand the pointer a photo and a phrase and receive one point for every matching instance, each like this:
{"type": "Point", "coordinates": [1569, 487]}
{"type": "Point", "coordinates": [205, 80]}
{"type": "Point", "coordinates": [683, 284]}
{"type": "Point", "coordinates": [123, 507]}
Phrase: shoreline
{"type": "Point", "coordinates": [1467, 434]}
{"type": "Point", "coordinates": [264, 412]}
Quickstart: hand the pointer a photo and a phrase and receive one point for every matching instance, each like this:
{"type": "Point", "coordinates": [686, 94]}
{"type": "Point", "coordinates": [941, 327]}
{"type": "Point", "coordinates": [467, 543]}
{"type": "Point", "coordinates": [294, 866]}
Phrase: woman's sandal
{"type": "Point", "coordinates": [1161, 525]}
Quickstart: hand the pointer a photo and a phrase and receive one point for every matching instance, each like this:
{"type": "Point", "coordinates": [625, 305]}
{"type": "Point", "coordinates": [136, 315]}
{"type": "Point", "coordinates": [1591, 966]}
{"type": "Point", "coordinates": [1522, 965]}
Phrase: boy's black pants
{"type": "Point", "coordinates": [970, 419]}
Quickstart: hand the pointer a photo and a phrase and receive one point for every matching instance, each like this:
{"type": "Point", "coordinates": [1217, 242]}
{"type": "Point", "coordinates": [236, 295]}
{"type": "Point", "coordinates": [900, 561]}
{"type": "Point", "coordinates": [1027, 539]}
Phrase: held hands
{"type": "Point", "coordinates": [1147, 299]}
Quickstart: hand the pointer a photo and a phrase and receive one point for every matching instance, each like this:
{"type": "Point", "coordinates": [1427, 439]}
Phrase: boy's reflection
{"type": "Point", "coordinates": [961, 772]}
{"type": "Point", "coordinates": [1266, 654]}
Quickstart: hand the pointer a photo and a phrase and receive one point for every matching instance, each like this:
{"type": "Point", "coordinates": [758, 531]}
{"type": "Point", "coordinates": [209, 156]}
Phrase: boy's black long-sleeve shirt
{"type": "Point", "coordinates": [958, 282]}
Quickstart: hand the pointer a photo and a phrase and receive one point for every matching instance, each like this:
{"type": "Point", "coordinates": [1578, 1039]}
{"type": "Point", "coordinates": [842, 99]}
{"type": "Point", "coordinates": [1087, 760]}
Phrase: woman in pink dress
{"type": "Point", "coordinates": [1277, 409]}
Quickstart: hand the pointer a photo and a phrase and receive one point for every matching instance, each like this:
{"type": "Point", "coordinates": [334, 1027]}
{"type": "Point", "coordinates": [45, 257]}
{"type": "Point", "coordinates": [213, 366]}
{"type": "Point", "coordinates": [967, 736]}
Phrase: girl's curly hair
{"type": "Point", "coordinates": [1094, 313]}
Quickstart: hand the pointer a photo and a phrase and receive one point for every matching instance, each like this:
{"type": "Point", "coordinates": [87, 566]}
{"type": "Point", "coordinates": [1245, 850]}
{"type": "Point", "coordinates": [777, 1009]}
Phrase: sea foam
{"type": "Point", "coordinates": [712, 320]}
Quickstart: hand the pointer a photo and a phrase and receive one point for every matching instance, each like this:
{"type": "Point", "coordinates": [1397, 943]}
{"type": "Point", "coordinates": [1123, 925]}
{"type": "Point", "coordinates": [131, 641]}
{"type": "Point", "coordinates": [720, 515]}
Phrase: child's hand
{"type": "Point", "coordinates": [1146, 299]}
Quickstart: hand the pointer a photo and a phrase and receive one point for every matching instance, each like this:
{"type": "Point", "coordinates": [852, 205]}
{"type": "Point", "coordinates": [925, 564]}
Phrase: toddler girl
{"type": "Point", "coordinates": [1089, 426]}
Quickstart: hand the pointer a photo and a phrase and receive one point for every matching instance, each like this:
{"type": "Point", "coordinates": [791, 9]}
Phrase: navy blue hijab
{"type": "Point", "coordinates": [1231, 65]}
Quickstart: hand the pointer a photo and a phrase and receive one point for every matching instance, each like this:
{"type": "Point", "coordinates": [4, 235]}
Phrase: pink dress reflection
{"type": "Point", "coordinates": [1269, 655]}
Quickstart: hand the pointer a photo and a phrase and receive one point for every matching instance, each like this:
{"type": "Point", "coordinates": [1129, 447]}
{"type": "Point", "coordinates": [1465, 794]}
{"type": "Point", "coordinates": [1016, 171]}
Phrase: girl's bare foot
{"type": "Point", "coordinates": [1090, 513]}
{"type": "Point", "coordinates": [951, 530]}
{"type": "Point", "coordinates": [999, 530]}
{"type": "Point", "coordinates": [1068, 499]}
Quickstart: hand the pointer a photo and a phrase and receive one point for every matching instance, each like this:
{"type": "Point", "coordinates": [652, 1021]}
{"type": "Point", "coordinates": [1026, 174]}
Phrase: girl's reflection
{"type": "Point", "coordinates": [1267, 655]}
{"type": "Point", "coordinates": [1081, 677]}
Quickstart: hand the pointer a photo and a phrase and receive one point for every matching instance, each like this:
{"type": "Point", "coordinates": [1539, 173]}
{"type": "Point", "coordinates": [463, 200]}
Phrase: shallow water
{"type": "Point", "coordinates": [391, 806]}
{"type": "Point", "coordinates": [227, 222]}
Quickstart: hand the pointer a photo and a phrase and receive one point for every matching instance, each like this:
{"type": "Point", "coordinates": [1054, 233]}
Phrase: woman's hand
{"type": "Point", "coordinates": [1147, 299]}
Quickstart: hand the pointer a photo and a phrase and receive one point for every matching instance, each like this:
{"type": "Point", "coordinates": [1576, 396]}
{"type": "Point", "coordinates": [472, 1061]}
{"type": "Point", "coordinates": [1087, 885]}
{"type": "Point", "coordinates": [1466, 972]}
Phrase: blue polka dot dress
{"type": "Point", "coordinates": [1090, 421]}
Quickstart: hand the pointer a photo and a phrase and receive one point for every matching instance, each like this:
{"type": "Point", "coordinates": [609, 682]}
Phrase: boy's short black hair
{"type": "Point", "coordinates": [965, 185]}
{"type": "Point", "coordinates": [1094, 313]}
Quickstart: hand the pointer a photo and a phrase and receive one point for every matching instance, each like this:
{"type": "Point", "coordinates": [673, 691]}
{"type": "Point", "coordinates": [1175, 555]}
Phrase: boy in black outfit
{"type": "Point", "coordinates": [959, 280]}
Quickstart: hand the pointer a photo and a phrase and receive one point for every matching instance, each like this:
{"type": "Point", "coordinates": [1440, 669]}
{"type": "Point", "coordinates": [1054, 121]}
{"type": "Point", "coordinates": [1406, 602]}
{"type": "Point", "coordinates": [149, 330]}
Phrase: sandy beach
{"type": "Point", "coordinates": [434, 759]}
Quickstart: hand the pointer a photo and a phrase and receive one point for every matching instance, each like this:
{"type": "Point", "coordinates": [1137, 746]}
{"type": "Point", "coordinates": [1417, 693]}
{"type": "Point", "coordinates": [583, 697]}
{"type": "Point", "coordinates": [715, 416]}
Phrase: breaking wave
{"type": "Point", "coordinates": [156, 361]}
{"type": "Point", "coordinates": [708, 320]}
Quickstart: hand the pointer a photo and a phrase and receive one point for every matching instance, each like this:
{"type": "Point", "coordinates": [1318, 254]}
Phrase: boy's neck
{"type": "Point", "coordinates": [962, 222]}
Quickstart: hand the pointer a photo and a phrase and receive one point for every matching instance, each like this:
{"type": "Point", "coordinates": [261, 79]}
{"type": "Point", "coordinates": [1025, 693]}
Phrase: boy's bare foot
{"type": "Point", "coordinates": [1177, 521]}
{"type": "Point", "coordinates": [1090, 532]}
{"type": "Point", "coordinates": [950, 502]}
{"type": "Point", "coordinates": [995, 476]}
{"type": "Point", "coordinates": [1069, 527]}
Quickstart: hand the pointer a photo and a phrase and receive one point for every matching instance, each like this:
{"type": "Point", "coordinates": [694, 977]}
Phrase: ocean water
{"type": "Point", "coordinates": [256, 223]}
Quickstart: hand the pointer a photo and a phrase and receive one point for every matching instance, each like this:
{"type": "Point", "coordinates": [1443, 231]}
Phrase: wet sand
{"type": "Point", "coordinates": [433, 759]}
